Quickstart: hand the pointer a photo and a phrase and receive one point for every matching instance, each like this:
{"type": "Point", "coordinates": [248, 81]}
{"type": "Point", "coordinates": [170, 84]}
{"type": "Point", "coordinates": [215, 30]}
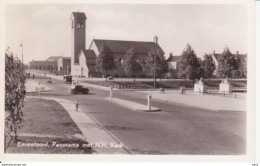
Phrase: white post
{"type": "Point", "coordinates": [149, 102]}
{"type": "Point", "coordinates": [111, 92]}
{"type": "Point", "coordinates": [40, 87]}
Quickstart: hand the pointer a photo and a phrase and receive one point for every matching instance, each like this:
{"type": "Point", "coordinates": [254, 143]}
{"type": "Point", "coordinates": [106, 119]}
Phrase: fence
{"type": "Point", "coordinates": [112, 84]}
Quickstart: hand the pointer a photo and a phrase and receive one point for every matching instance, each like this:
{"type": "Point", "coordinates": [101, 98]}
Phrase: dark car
{"type": "Point", "coordinates": [68, 79]}
{"type": "Point", "coordinates": [79, 89]}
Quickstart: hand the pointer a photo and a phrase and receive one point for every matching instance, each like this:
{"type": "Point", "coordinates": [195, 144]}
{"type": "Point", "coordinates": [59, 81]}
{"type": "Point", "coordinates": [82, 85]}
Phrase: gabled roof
{"type": "Point", "coordinates": [78, 15]}
{"type": "Point", "coordinates": [90, 60]}
{"type": "Point", "coordinates": [53, 58]}
{"type": "Point", "coordinates": [120, 46]}
{"type": "Point", "coordinates": [174, 58]}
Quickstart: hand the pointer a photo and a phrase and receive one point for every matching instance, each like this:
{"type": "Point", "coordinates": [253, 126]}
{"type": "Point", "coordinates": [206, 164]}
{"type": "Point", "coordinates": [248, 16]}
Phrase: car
{"type": "Point", "coordinates": [68, 79]}
{"type": "Point", "coordinates": [75, 89]}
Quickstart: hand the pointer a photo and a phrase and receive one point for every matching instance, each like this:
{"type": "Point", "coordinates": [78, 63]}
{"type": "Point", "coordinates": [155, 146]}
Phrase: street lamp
{"type": "Point", "coordinates": [154, 66]}
{"type": "Point", "coordinates": [21, 45]}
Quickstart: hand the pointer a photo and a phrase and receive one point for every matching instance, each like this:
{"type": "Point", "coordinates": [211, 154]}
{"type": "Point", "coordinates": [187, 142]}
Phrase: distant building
{"type": "Point", "coordinates": [83, 61]}
{"type": "Point", "coordinates": [119, 49]}
{"type": "Point", "coordinates": [242, 71]}
{"type": "Point", "coordinates": [173, 64]}
{"type": "Point", "coordinates": [53, 64]}
{"type": "Point", "coordinates": [64, 65]}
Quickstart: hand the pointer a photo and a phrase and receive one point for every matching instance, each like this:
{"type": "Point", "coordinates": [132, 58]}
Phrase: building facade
{"type": "Point", "coordinates": [241, 72]}
{"type": "Point", "coordinates": [64, 65]}
{"type": "Point", "coordinates": [53, 64]}
{"type": "Point", "coordinates": [173, 64]}
{"type": "Point", "coordinates": [83, 61]}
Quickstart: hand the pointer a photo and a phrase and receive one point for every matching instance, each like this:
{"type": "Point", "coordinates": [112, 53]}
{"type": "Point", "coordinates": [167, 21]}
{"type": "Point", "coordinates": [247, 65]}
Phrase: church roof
{"type": "Point", "coordinates": [79, 15]}
{"type": "Point", "coordinates": [53, 58]}
{"type": "Point", "coordinates": [90, 60]}
{"type": "Point", "coordinates": [120, 46]}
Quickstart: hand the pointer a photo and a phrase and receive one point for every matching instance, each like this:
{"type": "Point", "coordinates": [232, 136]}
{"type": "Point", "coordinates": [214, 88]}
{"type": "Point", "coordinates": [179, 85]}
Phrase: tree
{"type": "Point", "coordinates": [228, 64]}
{"type": "Point", "coordinates": [14, 96]}
{"type": "Point", "coordinates": [131, 63]}
{"type": "Point", "coordinates": [155, 64]}
{"type": "Point", "coordinates": [208, 66]}
{"type": "Point", "coordinates": [189, 65]}
{"type": "Point", "coordinates": [105, 60]}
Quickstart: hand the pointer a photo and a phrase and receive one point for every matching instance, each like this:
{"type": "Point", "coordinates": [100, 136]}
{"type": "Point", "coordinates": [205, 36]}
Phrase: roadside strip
{"type": "Point", "coordinates": [101, 141]}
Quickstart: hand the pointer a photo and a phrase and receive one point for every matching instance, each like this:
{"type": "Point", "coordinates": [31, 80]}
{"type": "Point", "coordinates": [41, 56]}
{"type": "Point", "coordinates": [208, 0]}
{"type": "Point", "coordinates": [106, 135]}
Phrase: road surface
{"type": "Point", "coordinates": [177, 129]}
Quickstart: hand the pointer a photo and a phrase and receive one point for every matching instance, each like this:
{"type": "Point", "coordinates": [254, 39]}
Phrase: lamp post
{"type": "Point", "coordinates": [21, 45]}
{"type": "Point", "coordinates": [154, 66]}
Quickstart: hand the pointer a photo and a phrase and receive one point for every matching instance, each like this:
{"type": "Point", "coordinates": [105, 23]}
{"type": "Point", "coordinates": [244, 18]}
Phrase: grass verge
{"type": "Point", "coordinates": [47, 122]}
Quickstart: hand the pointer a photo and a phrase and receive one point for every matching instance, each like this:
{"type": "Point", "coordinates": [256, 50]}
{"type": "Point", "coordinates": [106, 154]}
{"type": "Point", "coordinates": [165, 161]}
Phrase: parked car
{"type": "Point", "coordinates": [68, 79]}
{"type": "Point", "coordinates": [75, 89]}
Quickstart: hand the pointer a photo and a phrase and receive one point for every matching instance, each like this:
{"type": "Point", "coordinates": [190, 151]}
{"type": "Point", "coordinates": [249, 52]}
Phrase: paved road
{"type": "Point", "coordinates": [177, 129]}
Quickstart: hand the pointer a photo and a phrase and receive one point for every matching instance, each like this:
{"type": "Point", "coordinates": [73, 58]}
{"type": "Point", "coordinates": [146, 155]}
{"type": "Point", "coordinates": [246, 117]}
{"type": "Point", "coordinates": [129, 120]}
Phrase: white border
{"type": "Point", "coordinates": [250, 157]}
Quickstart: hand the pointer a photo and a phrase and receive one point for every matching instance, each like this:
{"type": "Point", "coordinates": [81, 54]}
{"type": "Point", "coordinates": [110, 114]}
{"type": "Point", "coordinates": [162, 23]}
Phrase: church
{"type": "Point", "coordinates": [83, 61]}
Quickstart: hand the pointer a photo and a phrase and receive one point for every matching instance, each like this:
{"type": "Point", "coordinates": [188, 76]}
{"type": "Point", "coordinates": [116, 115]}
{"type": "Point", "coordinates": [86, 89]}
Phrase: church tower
{"type": "Point", "coordinates": [78, 38]}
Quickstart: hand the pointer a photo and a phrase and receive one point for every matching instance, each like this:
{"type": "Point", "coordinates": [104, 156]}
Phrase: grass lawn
{"type": "Point", "coordinates": [46, 121]}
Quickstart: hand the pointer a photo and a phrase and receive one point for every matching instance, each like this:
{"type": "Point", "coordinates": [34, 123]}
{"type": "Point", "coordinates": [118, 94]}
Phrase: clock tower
{"type": "Point", "coordinates": [78, 38]}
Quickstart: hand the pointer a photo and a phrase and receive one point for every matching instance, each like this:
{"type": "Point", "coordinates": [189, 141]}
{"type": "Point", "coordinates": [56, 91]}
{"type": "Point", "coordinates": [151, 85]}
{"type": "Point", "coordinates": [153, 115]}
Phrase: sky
{"type": "Point", "coordinates": [45, 30]}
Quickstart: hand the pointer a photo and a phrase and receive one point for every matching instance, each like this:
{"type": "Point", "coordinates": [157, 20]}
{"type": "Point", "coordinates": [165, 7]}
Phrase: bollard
{"type": "Point", "coordinates": [40, 88]}
{"type": "Point", "coordinates": [40, 94]}
{"type": "Point", "coordinates": [149, 102]}
{"type": "Point", "coordinates": [111, 92]}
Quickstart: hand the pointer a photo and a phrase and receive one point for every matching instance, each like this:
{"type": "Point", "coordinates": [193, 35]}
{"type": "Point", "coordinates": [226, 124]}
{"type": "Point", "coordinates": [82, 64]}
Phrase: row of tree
{"type": "Point", "coordinates": [14, 96]}
{"type": "Point", "coordinates": [155, 65]}
{"type": "Point", "coordinates": [192, 67]}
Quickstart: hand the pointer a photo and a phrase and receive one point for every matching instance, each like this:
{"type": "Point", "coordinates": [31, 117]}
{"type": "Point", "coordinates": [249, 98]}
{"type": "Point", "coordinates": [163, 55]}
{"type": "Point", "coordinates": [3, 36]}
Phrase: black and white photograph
{"type": "Point", "coordinates": [127, 79]}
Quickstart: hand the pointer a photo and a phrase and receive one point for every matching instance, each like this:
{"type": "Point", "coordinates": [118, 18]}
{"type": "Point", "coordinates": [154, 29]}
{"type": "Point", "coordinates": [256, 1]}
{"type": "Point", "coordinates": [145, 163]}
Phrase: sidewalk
{"type": "Point", "coordinates": [98, 138]}
{"type": "Point", "coordinates": [216, 103]}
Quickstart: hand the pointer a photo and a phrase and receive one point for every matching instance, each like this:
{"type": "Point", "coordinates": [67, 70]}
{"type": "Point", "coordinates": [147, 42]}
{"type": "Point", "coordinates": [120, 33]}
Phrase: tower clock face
{"type": "Point", "coordinates": [79, 24]}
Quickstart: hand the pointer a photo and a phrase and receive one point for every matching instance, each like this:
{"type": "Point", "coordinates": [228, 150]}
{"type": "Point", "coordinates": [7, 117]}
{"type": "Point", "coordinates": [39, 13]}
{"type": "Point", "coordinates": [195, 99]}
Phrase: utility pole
{"type": "Point", "coordinates": [154, 66]}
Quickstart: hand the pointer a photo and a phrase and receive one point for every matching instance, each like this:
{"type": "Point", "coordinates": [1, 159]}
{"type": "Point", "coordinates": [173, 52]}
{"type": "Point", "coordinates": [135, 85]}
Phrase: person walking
{"type": "Point", "coordinates": [77, 105]}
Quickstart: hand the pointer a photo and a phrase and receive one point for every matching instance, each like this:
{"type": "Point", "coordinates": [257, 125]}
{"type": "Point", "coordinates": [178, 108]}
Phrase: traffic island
{"type": "Point", "coordinates": [133, 105]}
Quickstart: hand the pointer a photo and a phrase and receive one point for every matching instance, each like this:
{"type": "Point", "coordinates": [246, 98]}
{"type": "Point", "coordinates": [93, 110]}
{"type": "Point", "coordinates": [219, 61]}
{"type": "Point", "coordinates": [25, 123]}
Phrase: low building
{"type": "Point", "coordinates": [241, 72]}
{"type": "Point", "coordinates": [173, 64]}
{"type": "Point", "coordinates": [49, 65]}
{"type": "Point", "coordinates": [87, 63]}
{"type": "Point", "coordinates": [64, 65]}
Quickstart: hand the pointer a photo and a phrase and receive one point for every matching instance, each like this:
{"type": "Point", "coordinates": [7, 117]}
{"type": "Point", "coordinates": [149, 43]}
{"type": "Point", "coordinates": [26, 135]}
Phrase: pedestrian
{"type": "Point", "coordinates": [33, 76]}
{"type": "Point", "coordinates": [77, 105]}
